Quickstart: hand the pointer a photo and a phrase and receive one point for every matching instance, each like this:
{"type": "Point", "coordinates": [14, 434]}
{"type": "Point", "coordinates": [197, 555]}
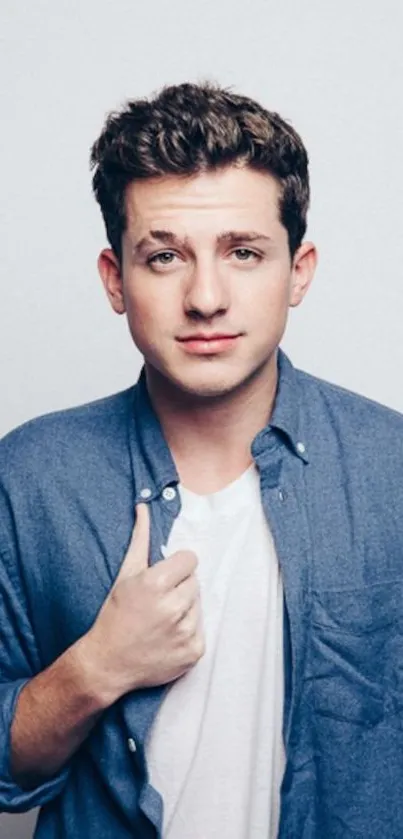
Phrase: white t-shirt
{"type": "Point", "coordinates": [215, 751]}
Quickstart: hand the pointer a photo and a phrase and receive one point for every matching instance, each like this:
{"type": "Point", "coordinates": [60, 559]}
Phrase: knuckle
{"type": "Point", "coordinates": [172, 611]}
{"type": "Point", "coordinates": [199, 646]}
{"type": "Point", "coordinates": [157, 582]}
{"type": "Point", "coordinates": [176, 613]}
{"type": "Point", "coordinates": [183, 630]}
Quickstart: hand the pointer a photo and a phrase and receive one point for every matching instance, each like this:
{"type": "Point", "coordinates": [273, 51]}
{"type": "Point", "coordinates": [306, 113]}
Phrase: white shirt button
{"type": "Point", "coordinates": [168, 494]}
{"type": "Point", "coordinates": [131, 745]}
{"type": "Point", "coordinates": [145, 493]}
{"type": "Point", "coordinates": [300, 448]}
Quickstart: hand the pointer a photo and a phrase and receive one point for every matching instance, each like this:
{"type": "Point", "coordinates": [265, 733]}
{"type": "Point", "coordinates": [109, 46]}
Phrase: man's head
{"type": "Point", "coordinates": [188, 129]}
{"type": "Point", "coordinates": [205, 170]}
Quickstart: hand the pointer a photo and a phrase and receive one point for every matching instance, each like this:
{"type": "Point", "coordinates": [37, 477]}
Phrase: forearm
{"type": "Point", "coordinates": [55, 712]}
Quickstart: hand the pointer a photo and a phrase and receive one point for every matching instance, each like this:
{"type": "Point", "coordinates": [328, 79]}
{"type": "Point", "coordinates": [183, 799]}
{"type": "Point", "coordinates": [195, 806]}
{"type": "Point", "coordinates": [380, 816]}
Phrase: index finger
{"type": "Point", "coordinates": [175, 569]}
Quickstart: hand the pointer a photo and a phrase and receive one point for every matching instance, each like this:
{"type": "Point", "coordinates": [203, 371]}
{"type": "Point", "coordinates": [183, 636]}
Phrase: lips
{"type": "Point", "coordinates": [202, 337]}
{"type": "Point", "coordinates": [213, 344]}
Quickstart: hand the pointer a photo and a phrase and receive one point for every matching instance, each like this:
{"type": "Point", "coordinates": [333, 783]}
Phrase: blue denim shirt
{"type": "Point", "coordinates": [331, 477]}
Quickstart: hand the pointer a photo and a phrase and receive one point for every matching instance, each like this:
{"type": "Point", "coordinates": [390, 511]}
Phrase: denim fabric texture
{"type": "Point", "coordinates": [331, 477]}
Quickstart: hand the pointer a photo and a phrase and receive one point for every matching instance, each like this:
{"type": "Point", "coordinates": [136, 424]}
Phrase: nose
{"type": "Point", "coordinates": [206, 293]}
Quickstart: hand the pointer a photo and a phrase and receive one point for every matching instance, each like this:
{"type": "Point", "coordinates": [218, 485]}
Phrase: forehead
{"type": "Point", "coordinates": [233, 195]}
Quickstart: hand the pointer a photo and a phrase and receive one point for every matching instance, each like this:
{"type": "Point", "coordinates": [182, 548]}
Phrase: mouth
{"type": "Point", "coordinates": [208, 344]}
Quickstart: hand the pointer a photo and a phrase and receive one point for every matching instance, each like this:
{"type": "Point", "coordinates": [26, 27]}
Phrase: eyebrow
{"type": "Point", "coordinates": [169, 238]}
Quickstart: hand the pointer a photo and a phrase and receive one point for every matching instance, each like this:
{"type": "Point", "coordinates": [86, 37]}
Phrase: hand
{"type": "Point", "coordinates": [148, 631]}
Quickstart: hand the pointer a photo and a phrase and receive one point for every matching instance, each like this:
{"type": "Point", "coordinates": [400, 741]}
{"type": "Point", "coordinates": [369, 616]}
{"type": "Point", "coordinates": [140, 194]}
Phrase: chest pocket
{"type": "Point", "coordinates": [357, 654]}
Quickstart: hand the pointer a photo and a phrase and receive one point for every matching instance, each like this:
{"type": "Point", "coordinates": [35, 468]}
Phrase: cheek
{"type": "Point", "coordinates": [270, 304]}
{"type": "Point", "coordinates": [141, 308]}
{"type": "Point", "coordinates": [148, 317]}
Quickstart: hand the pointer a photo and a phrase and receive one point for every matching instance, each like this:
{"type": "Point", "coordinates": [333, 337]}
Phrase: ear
{"type": "Point", "coordinates": [110, 273]}
{"type": "Point", "coordinates": [303, 268]}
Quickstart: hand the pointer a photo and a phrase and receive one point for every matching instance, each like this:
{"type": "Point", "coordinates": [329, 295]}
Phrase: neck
{"type": "Point", "coordinates": [210, 438]}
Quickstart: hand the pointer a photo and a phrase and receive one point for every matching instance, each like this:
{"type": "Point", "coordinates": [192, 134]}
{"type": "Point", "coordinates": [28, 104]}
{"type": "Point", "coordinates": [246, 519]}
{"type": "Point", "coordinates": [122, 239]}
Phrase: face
{"type": "Point", "coordinates": [206, 278]}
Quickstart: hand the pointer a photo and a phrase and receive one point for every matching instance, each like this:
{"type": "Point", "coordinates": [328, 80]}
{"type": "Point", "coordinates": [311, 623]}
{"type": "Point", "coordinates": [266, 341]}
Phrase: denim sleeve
{"type": "Point", "coordinates": [19, 662]}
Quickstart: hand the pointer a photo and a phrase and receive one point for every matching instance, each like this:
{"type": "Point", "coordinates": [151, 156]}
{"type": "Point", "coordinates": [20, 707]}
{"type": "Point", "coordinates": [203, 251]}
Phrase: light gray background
{"type": "Point", "coordinates": [334, 68]}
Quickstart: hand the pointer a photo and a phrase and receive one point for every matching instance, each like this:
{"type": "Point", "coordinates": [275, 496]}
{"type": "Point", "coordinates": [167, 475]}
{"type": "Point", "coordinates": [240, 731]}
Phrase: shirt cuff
{"type": "Point", "coordinates": [14, 799]}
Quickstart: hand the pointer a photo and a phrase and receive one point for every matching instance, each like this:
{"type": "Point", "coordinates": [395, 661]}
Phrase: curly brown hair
{"type": "Point", "coordinates": [190, 128]}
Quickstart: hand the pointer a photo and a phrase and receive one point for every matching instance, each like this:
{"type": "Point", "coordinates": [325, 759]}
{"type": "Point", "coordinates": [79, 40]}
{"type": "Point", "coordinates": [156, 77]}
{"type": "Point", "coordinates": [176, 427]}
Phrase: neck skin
{"type": "Point", "coordinates": [210, 439]}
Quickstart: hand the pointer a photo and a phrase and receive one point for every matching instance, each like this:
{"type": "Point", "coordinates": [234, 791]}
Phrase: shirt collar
{"type": "Point", "coordinates": [152, 463]}
{"type": "Point", "coordinates": [287, 416]}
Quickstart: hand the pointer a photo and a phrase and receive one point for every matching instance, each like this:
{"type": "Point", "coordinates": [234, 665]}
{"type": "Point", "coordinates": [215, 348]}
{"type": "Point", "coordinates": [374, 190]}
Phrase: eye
{"type": "Point", "coordinates": [246, 252]}
{"type": "Point", "coordinates": [166, 257]}
{"type": "Point", "coordinates": [157, 256]}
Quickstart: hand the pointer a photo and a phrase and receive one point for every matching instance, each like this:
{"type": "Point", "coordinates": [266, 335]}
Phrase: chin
{"type": "Point", "coordinates": [209, 380]}
{"type": "Point", "coordinates": [210, 385]}
{"type": "Point", "coordinates": [206, 391]}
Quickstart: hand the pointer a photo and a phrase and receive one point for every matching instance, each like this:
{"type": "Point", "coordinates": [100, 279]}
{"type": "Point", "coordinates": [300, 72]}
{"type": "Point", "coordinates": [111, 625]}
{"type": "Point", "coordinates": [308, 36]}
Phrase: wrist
{"type": "Point", "coordinates": [93, 673]}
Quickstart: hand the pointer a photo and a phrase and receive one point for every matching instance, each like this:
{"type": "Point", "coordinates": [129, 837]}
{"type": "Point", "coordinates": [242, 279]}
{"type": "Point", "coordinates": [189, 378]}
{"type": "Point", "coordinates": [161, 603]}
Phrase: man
{"type": "Point", "coordinates": [201, 579]}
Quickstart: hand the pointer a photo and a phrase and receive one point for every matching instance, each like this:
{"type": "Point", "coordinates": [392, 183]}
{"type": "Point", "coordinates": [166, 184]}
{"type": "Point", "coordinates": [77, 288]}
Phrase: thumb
{"type": "Point", "coordinates": [136, 559]}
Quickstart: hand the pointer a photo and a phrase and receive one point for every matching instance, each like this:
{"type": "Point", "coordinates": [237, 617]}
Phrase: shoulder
{"type": "Point", "coordinates": [57, 435]}
{"type": "Point", "coordinates": [347, 413]}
